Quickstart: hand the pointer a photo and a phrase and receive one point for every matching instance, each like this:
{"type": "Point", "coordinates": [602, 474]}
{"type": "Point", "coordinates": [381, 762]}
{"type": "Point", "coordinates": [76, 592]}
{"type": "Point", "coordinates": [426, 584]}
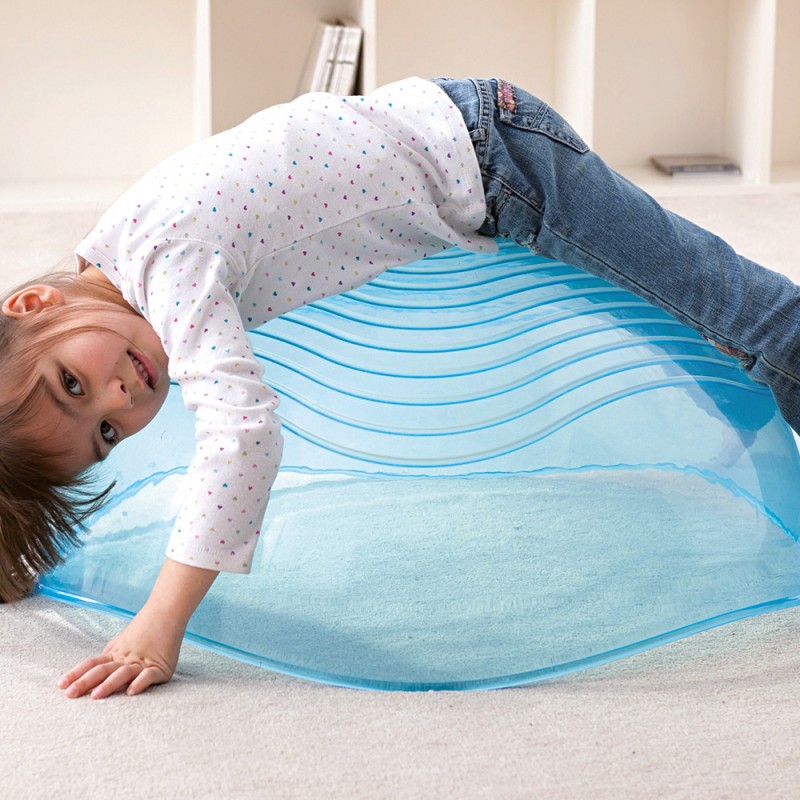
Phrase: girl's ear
{"type": "Point", "coordinates": [32, 300]}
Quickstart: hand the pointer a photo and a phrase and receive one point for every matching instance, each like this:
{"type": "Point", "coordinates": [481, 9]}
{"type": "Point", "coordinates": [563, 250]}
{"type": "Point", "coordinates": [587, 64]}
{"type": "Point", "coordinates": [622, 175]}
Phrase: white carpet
{"type": "Point", "coordinates": [710, 717]}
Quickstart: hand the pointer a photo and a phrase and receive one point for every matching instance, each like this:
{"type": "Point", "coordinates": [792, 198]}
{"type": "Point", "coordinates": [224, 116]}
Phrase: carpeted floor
{"type": "Point", "coordinates": [713, 716]}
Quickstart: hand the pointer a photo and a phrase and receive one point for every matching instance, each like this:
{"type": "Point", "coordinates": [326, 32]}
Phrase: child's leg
{"type": "Point", "coordinates": [547, 191]}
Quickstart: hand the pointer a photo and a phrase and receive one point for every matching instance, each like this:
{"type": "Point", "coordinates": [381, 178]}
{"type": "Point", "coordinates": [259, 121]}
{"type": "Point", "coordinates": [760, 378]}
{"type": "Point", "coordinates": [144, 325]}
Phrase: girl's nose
{"type": "Point", "coordinates": [120, 396]}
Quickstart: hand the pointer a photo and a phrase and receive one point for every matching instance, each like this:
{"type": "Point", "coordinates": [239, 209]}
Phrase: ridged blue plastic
{"type": "Point", "coordinates": [497, 469]}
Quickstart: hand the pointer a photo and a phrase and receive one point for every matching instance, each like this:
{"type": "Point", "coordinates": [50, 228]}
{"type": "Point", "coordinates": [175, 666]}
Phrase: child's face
{"type": "Point", "coordinates": [102, 386]}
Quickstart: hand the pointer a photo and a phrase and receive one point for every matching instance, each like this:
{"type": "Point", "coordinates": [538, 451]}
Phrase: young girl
{"type": "Point", "coordinates": [302, 201]}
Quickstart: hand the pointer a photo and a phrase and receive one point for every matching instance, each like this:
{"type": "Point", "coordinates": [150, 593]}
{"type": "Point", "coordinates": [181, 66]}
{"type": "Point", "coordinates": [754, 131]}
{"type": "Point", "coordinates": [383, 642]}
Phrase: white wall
{"type": "Point", "coordinates": [93, 88]}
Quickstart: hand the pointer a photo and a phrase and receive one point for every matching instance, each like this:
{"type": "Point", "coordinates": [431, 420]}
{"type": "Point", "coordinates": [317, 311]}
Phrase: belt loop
{"type": "Point", "coordinates": [485, 104]}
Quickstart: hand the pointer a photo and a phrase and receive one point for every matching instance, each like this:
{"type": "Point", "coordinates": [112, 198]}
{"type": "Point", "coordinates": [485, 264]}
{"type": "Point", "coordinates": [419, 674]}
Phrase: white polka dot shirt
{"type": "Point", "coordinates": [301, 201]}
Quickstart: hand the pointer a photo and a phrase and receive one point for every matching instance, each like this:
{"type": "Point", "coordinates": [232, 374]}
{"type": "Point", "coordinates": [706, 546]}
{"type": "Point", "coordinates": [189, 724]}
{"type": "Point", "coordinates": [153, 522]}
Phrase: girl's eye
{"type": "Point", "coordinates": [72, 384]}
{"type": "Point", "coordinates": [108, 433]}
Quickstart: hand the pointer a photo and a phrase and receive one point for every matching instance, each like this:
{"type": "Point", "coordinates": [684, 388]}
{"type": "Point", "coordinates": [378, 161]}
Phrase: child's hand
{"type": "Point", "coordinates": [146, 652]}
{"type": "Point", "coordinates": [141, 655]}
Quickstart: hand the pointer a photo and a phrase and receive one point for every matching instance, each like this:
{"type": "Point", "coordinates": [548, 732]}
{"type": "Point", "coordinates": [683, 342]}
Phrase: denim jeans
{"type": "Point", "coordinates": [547, 191]}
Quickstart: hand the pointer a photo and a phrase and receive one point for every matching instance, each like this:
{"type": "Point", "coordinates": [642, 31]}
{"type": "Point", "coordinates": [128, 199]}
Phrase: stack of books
{"type": "Point", "coordinates": [332, 64]}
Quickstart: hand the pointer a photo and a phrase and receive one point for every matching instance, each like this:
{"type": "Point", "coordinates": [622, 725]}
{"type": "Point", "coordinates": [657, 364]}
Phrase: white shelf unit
{"type": "Point", "coordinates": [635, 77]}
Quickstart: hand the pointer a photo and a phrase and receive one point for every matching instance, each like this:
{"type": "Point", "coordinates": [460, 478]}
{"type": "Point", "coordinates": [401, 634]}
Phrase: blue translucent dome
{"type": "Point", "coordinates": [497, 469]}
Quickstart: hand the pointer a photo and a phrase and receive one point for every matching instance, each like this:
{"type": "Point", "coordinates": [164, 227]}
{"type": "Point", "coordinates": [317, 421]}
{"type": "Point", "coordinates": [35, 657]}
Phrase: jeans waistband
{"type": "Point", "coordinates": [475, 98]}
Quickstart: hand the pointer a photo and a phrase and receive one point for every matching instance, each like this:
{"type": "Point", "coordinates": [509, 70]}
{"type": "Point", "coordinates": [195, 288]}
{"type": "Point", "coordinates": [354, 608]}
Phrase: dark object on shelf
{"type": "Point", "coordinates": [692, 165]}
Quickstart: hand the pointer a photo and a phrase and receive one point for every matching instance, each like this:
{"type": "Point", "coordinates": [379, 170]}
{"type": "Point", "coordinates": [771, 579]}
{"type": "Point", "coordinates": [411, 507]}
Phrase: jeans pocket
{"type": "Point", "coordinates": [519, 109]}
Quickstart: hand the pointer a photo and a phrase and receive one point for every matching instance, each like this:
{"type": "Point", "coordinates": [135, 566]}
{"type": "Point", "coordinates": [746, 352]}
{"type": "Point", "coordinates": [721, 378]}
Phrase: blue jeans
{"type": "Point", "coordinates": [547, 191]}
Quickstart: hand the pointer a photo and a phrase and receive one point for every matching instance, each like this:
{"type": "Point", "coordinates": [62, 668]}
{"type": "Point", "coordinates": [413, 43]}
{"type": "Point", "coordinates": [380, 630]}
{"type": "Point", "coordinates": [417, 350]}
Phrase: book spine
{"type": "Point", "coordinates": [332, 63]}
{"type": "Point", "coordinates": [347, 57]}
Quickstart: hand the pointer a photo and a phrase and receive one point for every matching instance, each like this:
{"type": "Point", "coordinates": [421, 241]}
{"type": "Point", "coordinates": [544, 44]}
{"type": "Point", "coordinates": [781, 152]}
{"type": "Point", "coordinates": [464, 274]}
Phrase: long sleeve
{"type": "Point", "coordinates": [192, 306]}
{"type": "Point", "coordinates": [187, 290]}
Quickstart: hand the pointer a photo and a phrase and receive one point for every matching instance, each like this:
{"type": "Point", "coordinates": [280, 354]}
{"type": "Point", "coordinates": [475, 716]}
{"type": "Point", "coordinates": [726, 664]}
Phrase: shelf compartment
{"type": "Point", "coordinates": [541, 45]}
{"type": "Point", "coordinates": [700, 69]}
{"type": "Point", "coordinates": [786, 98]}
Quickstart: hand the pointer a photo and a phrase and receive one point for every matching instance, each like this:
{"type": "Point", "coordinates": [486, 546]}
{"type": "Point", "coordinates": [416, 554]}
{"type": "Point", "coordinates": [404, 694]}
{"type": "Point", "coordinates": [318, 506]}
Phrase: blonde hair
{"type": "Point", "coordinates": [42, 510]}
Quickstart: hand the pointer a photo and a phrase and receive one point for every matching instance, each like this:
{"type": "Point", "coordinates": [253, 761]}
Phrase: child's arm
{"type": "Point", "coordinates": [146, 651]}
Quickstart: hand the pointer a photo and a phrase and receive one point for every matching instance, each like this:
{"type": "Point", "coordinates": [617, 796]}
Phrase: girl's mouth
{"type": "Point", "coordinates": [145, 370]}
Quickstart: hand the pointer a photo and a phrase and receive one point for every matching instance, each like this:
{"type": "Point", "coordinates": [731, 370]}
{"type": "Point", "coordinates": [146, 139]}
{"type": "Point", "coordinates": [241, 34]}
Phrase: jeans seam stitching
{"type": "Point", "coordinates": [775, 368]}
{"type": "Point", "coordinates": [509, 189]}
{"type": "Point", "coordinates": [676, 312]}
